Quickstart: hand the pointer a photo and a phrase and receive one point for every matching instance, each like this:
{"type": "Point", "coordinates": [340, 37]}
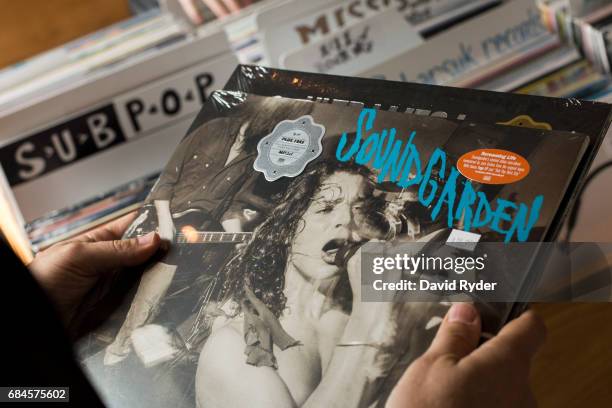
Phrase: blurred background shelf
{"type": "Point", "coordinates": [575, 366]}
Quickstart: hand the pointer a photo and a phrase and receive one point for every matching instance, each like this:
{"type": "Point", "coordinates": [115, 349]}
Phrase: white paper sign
{"type": "Point", "coordinates": [318, 23]}
{"type": "Point", "coordinates": [148, 108]}
{"type": "Point", "coordinates": [508, 29]}
{"type": "Point", "coordinates": [357, 48]}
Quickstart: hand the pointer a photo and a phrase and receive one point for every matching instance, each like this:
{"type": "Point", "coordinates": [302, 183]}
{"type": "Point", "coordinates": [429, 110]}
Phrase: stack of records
{"type": "Point", "coordinates": [49, 72]}
{"type": "Point", "coordinates": [63, 224]}
{"type": "Point", "coordinates": [243, 31]}
{"type": "Point", "coordinates": [586, 25]}
{"type": "Point", "coordinates": [577, 80]}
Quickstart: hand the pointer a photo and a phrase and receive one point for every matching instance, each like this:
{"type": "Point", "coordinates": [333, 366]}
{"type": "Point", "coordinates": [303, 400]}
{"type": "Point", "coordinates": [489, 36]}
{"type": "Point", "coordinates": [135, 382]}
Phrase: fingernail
{"type": "Point", "coordinates": [463, 313]}
{"type": "Point", "coordinates": [146, 239]}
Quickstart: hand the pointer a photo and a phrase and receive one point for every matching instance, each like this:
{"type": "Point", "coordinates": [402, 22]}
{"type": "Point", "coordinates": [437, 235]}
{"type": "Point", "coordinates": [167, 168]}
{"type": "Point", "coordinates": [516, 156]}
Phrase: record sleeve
{"type": "Point", "coordinates": [268, 202]}
{"type": "Point", "coordinates": [456, 104]}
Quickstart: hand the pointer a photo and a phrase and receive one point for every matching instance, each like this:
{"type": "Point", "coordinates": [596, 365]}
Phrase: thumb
{"type": "Point", "coordinates": [519, 340]}
{"type": "Point", "coordinates": [106, 256]}
{"type": "Point", "coordinates": [458, 334]}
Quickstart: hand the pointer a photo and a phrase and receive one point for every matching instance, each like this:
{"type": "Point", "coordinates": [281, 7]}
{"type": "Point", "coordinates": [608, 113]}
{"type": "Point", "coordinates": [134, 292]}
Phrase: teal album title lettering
{"type": "Point", "coordinates": [399, 161]}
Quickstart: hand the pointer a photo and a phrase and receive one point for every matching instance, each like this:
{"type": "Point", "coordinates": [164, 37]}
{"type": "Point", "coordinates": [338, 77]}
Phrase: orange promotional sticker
{"type": "Point", "coordinates": [493, 166]}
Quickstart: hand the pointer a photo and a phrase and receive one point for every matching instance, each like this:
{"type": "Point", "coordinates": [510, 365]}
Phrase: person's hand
{"type": "Point", "coordinates": [68, 270]}
{"type": "Point", "coordinates": [455, 373]}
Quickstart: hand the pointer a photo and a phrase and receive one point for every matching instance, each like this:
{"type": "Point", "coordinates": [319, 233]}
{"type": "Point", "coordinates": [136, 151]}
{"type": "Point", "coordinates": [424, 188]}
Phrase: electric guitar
{"type": "Point", "coordinates": [189, 225]}
{"type": "Point", "coordinates": [189, 235]}
{"type": "Point", "coordinates": [188, 222]}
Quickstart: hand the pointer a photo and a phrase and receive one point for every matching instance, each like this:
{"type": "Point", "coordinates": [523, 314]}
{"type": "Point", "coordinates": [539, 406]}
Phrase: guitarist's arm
{"type": "Point", "coordinates": [167, 229]}
{"type": "Point", "coordinates": [163, 190]}
{"type": "Point", "coordinates": [238, 215]}
{"type": "Point", "coordinates": [232, 225]}
{"type": "Point", "coordinates": [152, 288]}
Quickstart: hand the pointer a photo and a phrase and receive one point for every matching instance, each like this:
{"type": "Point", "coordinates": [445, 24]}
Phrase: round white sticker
{"type": "Point", "coordinates": [289, 148]}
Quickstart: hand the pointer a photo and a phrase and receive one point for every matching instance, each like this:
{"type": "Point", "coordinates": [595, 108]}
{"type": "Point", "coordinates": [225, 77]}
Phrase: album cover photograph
{"type": "Point", "coordinates": [590, 118]}
{"type": "Point", "coordinates": [265, 207]}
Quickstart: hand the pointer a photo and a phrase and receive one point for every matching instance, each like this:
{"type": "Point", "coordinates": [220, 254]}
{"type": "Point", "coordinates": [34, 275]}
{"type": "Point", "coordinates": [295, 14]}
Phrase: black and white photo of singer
{"type": "Point", "coordinates": [296, 332]}
{"type": "Point", "coordinates": [208, 185]}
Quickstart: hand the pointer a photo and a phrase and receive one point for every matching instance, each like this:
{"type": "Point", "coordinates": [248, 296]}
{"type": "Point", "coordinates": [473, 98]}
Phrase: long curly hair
{"type": "Point", "coordinates": [261, 264]}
